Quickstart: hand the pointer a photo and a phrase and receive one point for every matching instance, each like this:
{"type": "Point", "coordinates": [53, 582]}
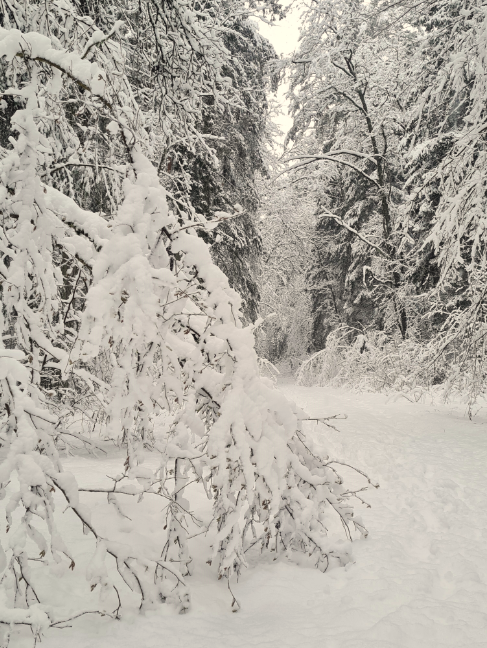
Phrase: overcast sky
{"type": "Point", "coordinates": [284, 36]}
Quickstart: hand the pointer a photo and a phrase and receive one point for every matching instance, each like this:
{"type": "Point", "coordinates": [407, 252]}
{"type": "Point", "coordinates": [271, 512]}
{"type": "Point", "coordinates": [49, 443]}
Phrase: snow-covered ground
{"type": "Point", "coordinates": [419, 580]}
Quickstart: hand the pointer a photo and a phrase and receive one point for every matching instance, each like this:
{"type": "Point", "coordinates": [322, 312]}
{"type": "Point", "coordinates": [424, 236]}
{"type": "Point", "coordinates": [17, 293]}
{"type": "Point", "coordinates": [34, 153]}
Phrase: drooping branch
{"type": "Point", "coordinates": [309, 159]}
{"type": "Point", "coordinates": [353, 231]}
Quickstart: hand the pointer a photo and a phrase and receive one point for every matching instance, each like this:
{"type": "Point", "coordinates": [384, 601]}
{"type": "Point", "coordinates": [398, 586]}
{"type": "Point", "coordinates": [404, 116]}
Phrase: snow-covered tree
{"type": "Point", "coordinates": [286, 218]}
{"type": "Point", "coordinates": [136, 288]}
{"type": "Point", "coordinates": [238, 132]}
{"type": "Point", "coordinates": [347, 84]}
{"type": "Point", "coordinates": [445, 154]}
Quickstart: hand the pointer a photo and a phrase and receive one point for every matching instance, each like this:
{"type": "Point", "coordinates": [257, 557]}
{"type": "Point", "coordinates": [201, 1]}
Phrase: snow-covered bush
{"type": "Point", "coordinates": [370, 361]}
{"type": "Point", "coordinates": [374, 361]}
{"type": "Point", "coordinates": [162, 320]}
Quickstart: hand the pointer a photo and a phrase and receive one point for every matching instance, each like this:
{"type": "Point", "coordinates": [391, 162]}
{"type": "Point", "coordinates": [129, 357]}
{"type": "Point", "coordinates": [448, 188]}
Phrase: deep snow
{"type": "Point", "coordinates": [419, 580]}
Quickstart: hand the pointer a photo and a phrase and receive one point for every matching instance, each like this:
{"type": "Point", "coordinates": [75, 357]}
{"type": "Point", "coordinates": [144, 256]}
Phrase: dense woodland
{"type": "Point", "coordinates": [152, 228]}
{"type": "Point", "coordinates": [385, 173]}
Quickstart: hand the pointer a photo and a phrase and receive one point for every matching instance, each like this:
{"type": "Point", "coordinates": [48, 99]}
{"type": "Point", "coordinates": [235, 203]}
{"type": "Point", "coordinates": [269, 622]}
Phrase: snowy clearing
{"type": "Point", "coordinates": [419, 580]}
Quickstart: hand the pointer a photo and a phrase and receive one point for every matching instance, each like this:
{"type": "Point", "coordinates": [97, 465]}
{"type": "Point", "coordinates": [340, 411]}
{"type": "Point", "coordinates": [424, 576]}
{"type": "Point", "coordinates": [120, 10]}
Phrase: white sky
{"type": "Point", "coordinates": [284, 36]}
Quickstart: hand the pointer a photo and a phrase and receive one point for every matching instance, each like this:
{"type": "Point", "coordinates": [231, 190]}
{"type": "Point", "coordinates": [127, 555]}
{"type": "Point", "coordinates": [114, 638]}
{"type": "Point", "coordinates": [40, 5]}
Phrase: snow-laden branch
{"type": "Point", "coordinates": [37, 47]}
{"type": "Point", "coordinates": [309, 159]}
{"type": "Point", "coordinates": [342, 223]}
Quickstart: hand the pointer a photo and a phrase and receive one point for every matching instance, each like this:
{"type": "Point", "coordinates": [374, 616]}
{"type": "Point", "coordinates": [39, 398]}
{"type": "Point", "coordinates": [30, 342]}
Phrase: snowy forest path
{"type": "Point", "coordinates": [418, 581]}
